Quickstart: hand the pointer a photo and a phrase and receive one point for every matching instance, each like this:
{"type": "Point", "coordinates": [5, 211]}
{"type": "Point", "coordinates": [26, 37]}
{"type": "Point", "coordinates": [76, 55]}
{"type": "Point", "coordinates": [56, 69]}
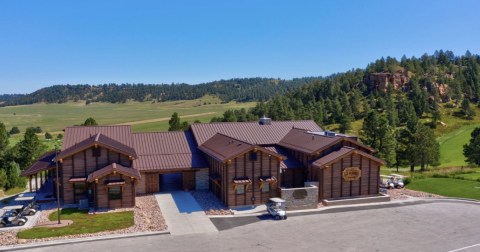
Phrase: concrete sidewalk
{"type": "Point", "coordinates": [183, 215]}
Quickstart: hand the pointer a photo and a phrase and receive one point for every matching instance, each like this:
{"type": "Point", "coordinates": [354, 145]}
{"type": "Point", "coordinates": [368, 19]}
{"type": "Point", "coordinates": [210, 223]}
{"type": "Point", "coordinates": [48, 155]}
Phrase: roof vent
{"type": "Point", "coordinates": [265, 120]}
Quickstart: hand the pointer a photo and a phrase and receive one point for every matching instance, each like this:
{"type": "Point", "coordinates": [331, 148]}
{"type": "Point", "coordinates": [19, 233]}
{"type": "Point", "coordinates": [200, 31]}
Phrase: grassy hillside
{"type": "Point", "coordinates": [451, 146]}
{"type": "Point", "coordinates": [143, 115]}
{"type": "Point", "coordinates": [451, 137]}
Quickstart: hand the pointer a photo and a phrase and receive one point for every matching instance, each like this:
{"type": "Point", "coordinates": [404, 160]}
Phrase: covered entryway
{"type": "Point", "coordinates": [171, 182]}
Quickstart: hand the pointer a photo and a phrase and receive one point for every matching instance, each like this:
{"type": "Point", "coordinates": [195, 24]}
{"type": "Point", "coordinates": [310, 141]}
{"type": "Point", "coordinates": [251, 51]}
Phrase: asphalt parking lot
{"type": "Point", "coordinates": [437, 226]}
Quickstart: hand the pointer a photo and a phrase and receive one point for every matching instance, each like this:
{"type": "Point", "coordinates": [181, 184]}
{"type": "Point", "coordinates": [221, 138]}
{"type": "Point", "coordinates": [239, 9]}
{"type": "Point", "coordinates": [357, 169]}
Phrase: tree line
{"type": "Point", "coordinates": [240, 89]}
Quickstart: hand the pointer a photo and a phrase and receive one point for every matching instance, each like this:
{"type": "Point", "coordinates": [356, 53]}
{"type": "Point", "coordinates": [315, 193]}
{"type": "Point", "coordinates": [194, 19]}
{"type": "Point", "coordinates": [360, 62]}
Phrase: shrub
{"type": "Point", "coordinates": [14, 130]}
{"type": "Point", "coordinates": [407, 181]}
{"type": "Point", "coordinates": [48, 136]}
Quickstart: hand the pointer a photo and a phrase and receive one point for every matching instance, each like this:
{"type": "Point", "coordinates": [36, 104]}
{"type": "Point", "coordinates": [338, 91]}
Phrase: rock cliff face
{"type": "Point", "coordinates": [399, 80]}
{"type": "Point", "coordinates": [381, 81]}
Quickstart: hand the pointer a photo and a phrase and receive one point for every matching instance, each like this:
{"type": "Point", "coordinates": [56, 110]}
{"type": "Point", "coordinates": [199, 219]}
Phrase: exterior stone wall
{"type": "Point", "coordinates": [140, 186]}
{"type": "Point", "coordinates": [300, 198]}
{"type": "Point", "coordinates": [201, 179]}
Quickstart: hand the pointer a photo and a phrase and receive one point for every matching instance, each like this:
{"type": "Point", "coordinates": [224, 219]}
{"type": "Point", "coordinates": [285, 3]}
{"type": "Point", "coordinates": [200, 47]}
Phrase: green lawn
{"type": "Point", "coordinates": [55, 117]}
{"type": "Point", "coordinates": [14, 190]}
{"type": "Point", "coordinates": [451, 146]}
{"type": "Point", "coordinates": [83, 223]}
{"type": "Point", "coordinates": [447, 187]}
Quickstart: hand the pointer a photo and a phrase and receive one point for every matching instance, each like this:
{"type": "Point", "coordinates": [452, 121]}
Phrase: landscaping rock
{"type": "Point", "coordinates": [210, 204]}
{"type": "Point", "coordinates": [402, 194]}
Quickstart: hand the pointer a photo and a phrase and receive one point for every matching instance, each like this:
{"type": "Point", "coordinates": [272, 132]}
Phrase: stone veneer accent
{"type": "Point", "coordinates": [300, 198]}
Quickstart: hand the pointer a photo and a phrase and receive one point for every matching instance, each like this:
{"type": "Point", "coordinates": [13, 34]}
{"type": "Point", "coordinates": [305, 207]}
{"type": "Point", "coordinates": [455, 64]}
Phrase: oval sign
{"type": "Point", "coordinates": [351, 173]}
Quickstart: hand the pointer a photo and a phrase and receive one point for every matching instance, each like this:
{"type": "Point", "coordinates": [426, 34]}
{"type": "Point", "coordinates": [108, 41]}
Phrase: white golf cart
{"type": "Point", "coordinates": [397, 180]}
{"type": "Point", "coordinates": [387, 182]}
{"type": "Point", "coordinates": [29, 205]}
{"type": "Point", "coordinates": [276, 208]}
{"type": "Point", "coordinates": [11, 218]}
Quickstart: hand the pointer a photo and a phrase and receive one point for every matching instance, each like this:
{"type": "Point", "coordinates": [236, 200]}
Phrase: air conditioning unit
{"type": "Point", "coordinates": [83, 204]}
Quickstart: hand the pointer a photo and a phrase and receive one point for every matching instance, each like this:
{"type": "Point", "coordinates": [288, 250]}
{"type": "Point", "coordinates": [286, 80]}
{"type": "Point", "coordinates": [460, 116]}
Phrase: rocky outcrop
{"type": "Point", "coordinates": [381, 81]}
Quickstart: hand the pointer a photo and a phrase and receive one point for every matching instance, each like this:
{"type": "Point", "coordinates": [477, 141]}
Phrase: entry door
{"type": "Point", "coordinates": [151, 183]}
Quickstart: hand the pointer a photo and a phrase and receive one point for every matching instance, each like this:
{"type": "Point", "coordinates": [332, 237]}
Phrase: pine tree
{"type": "Point", "coordinates": [472, 150]}
{"type": "Point", "coordinates": [174, 123]}
{"type": "Point", "coordinates": [90, 122]}
{"type": "Point", "coordinates": [3, 140]}
{"type": "Point", "coordinates": [29, 148]}
{"type": "Point", "coordinates": [426, 149]}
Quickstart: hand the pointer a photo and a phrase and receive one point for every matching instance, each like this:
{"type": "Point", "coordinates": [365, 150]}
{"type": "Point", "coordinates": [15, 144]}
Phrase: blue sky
{"type": "Point", "coordinates": [43, 43]}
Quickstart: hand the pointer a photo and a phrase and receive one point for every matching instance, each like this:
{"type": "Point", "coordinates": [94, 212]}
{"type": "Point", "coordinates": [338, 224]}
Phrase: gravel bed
{"type": "Point", "coordinates": [210, 203]}
{"type": "Point", "coordinates": [147, 216]}
{"type": "Point", "coordinates": [402, 194]}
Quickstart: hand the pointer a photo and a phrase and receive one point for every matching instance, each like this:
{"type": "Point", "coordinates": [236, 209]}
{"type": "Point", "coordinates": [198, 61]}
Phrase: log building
{"type": "Point", "coordinates": [242, 163]}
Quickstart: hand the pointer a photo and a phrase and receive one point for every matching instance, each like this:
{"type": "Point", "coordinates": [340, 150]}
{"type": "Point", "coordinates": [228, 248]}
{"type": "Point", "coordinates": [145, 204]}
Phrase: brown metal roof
{"type": "Point", "coordinates": [166, 151]}
{"type": "Point", "coordinates": [114, 167]}
{"type": "Point", "coordinates": [223, 147]}
{"type": "Point", "coordinates": [290, 162]}
{"type": "Point", "coordinates": [45, 162]}
{"type": "Point", "coordinates": [332, 157]}
{"type": "Point", "coordinates": [101, 140]}
{"type": "Point", "coordinates": [251, 132]}
{"type": "Point", "coordinates": [76, 134]}
{"type": "Point", "coordinates": [302, 140]}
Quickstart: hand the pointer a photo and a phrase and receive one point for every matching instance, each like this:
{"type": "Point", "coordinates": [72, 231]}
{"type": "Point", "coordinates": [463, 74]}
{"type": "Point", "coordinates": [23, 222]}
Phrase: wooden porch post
{"type": "Point", "coordinates": [36, 183]}
{"type": "Point", "coordinates": [41, 179]}
{"type": "Point", "coordinates": [30, 182]}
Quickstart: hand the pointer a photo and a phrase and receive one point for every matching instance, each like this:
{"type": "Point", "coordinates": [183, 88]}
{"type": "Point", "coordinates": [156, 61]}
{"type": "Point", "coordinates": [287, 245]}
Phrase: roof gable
{"type": "Point", "coordinates": [113, 168]}
{"type": "Point", "coordinates": [344, 151]}
{"type": "Point", "coordinates": [76, 134]}
{"type": "Point", "coordinates": [251, 132]}
{"type": "Point", "coordinates": [98, 140]}
{"type": "Point", "coordinates": [223, 148]}
{"type": "Point", "coordinates": [301, 140]}
{"type": "Point", "coordinates": [311, 142]}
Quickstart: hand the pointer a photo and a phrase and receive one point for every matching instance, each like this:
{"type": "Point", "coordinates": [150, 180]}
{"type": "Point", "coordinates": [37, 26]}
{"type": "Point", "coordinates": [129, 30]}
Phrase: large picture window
{"type": "Point", "coordinates": [114, 193]}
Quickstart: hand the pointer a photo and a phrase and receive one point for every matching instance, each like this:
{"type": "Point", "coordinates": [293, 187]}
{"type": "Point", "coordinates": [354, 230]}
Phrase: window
{"type": "Point", "coordinates": [240, 189]}
{"type": "Point", "coordinates": [114, 193]}
{"type": "Point", "coordinates": [79, 189]}
{"type": "Point", "coordinates": [253, 156]}
{"type": "Point", "coordinates": [265, 187]}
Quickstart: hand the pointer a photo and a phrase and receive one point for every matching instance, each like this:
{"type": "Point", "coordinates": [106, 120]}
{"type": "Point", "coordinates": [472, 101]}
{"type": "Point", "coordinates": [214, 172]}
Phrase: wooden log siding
{"type": "Point", "coordinates": [128, 192]}
{"type": "Point", "coordinates": [332, 184]}
{"type": "Point", "coordinates": [83, 163]}
{"type": "Point", "coordinates": [241, 167]}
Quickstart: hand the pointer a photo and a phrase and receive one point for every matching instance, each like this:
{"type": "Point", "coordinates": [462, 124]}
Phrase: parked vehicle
{"type": "Point", "coordinates": [276, 208]}
{"type": "Point", "coordinates": [387, 182]}
{"type": "Point", "coordinates": [397, 181]}
{"type": "Point", "coordinates": [10, 218]}
{"type": "Point", "coordinates": [29, 206]}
